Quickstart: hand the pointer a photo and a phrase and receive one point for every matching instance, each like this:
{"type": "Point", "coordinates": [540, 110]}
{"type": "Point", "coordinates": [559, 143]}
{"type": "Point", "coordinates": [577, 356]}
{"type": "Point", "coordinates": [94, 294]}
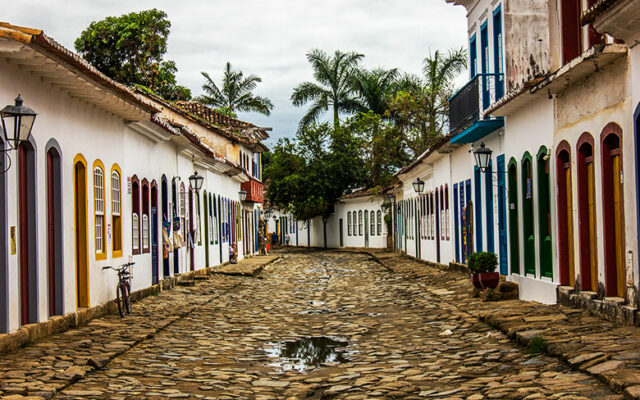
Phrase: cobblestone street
{"type": "Point", "coordinates": [215, 340]}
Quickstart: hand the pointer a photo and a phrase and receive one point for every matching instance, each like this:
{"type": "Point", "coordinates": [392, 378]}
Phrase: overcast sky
{"type": "Point", "coordinates": [268, 38]}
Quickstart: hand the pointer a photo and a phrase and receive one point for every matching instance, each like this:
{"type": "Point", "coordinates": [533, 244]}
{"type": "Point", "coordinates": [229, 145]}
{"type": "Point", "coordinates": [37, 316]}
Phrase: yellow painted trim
{"type": "Point", "coordinates": [79, 158]}
{"type": "Point", "coordinates": [115, 253]}
{"type": "Point", "coordinates": [103, 255]}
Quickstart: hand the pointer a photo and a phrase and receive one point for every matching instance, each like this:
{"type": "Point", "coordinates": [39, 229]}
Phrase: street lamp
{"type": "Point", "coordinates": [483, 157]}
{"type": "Point", "coordinates": [391, 196]}
{"type": "Point", "coordinates": [267, 214]}
{"type": "Point", "coordinates": [196, 181]}
{"type": "Point", "coordinates": [418, 185]}
{"type": "Point", "coordinates": [17, 121]}
{"type": "Point", "coordinates": [243, 195]}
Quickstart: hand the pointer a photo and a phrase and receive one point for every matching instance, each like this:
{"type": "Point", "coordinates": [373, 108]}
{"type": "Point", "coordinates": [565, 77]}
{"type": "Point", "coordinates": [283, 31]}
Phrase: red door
{"type": "Point", "coordinates": [23, 221]}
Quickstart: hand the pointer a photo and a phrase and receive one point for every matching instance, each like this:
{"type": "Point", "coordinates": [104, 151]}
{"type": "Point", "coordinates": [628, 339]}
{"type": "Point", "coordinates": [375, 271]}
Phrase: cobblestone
{"type": "Point", "coordinates": [413, 332]}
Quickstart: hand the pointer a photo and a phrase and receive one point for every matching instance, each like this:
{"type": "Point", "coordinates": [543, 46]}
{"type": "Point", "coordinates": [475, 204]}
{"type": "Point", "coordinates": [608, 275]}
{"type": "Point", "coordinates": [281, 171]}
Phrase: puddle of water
{"type": "Point", "coordinates": [306, 353]}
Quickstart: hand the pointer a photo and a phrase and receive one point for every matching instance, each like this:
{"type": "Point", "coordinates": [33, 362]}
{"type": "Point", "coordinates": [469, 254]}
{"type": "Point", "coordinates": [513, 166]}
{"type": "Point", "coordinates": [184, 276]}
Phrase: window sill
{"type": "Point", "coordinates": [116, 254]}
{"type": "Point", "coordinates": [101, 256]}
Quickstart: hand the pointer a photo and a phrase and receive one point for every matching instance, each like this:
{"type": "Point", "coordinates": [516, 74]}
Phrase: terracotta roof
{"type": "Point", "coordinates": [367, 192]}
{"type": "Point", "coordinates": [35, 38]}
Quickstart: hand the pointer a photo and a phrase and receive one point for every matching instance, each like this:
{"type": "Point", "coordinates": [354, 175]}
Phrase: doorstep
{"type": "Point", "coordinates": [614, 309]}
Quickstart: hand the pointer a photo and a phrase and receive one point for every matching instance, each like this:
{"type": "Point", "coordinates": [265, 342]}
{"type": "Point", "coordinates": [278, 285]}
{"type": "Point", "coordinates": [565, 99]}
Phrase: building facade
{"type": "Point", "coordinates": [104, 179]}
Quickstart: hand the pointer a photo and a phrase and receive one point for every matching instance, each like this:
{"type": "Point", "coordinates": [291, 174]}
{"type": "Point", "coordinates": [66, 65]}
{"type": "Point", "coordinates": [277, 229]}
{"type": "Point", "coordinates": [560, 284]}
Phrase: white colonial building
{"type": "Point", "coordinates": [105, 178]}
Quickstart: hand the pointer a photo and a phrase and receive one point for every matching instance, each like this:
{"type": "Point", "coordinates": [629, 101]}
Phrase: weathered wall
{"type": "Point", "coordinates": [527, 44]}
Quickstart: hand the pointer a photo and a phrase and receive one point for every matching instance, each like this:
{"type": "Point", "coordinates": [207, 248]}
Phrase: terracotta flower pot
{"type": "Point", "coordinates": [489, 280]}
{"type": "Point", "coordinates": [475, 279]}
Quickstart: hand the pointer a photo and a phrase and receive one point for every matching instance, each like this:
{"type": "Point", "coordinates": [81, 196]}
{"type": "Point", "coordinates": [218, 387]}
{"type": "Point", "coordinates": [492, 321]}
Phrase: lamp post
{"type": "Point", "coordinates": [17, 122]}
{"type": "Point", "coordinates": [196, 181]}
{"type": "Point", "coordinates": [482, 156]}
{"type": "Point", "coordinates": [418, 187]}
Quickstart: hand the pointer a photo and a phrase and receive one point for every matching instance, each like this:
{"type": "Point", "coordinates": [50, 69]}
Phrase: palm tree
{"type": "Point", "coordinates": [374, 89]}
{"type": "Point", "coordinates": [236, 93]}
{"type": "Point", "coordinates": [439, 73]}
{"type": "Point", "coordinates": [332, 87]}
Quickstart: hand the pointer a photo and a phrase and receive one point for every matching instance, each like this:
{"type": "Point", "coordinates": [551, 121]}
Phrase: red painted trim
{"type": "Point", "coordinates": [563, 162]}
{"type": "Point", "coordinates": [571, 30]}
{"type": "Point", "coordinates": [610, 133]}
{"type": "Point", "coordinates": [135, 208]}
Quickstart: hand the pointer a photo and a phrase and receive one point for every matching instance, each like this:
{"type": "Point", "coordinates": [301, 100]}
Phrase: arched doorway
{"type": "Point", "coordinates": [55, 249]}
{"type": "Point", "coordinates": [27, 213]}
{"type": "Point", "coordinates": [81, 231]}
{"type": "Point", "coordinates": [172, 218]}
{"type": "Point", "coordinates": [587, 213]}
{"type": "Point", "coordinates": [514, 234]}
{"type": "Point", "coordinates": [166, 222]}
{"type": "Point", "coordinates": [154, 233]}
{"type": "Point", "coordinates": [544, 213]}
{"type": "Point", "coordinates": [565, 214]}
{"type": "Point", "coordinates": [205, 209]}
{"type": "Point", "coordinates": [528, 231]}
{"type": "Point", "coordinates": [613, 211]}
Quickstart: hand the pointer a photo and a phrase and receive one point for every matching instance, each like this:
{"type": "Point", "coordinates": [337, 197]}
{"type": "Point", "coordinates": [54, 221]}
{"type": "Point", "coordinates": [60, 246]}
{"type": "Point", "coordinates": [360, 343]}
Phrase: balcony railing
{"type": "Point", "coordinates": [469, 103]}
{"type": "Point", "coordinates": [254, 191]}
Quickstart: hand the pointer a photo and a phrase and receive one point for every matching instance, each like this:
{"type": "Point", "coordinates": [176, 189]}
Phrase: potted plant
{"type": "Point", "coordinates": [483, 266]}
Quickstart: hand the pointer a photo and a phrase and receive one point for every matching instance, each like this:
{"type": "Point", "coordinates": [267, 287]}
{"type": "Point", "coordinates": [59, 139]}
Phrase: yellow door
{"type": "Point", "coordinates": [570, 227]}
{"type": "Point", "coordinates": [80, 203]}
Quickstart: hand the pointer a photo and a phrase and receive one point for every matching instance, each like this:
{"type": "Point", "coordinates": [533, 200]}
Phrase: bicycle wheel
{"type": "Point", "coordinates": [127, 289]}
{"type": "Point", "coordinates": [120, 299]}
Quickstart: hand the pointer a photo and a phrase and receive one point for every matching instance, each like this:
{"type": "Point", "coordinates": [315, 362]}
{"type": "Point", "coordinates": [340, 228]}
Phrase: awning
{"type": "Point", "coordinates": [478, 130]}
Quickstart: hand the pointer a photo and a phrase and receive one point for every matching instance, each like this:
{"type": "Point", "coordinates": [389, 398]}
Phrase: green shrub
{"type": "Point", "coordinates": [483, 261]}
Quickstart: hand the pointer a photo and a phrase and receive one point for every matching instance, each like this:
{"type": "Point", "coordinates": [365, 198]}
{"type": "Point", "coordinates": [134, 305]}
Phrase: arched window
{"type": "Point", "coordinates": [360, 223]}
{"type": "Point", "coordinates": [135, 215]}
{"type": "Point", "coordinates": [145, 216]}
{"type": "Point", "coordinates": [443, 228]}
{"type": "Point", "coordinates": [544, 213]}
{"type": "Point", "coordinates": [514, 240]}
{"type": "Point", "coordinates": [372, 223]}
{"type": "Point", "coordinates": [116, 207]}
{"type": "Point", "coordinates": [349, 223]}
{"type": "Point", "coordinates": [432, 223]}
{"type": "Point", "coordinates": [379, 222]}
{"type": "Point", "coordinates": [98, 202]}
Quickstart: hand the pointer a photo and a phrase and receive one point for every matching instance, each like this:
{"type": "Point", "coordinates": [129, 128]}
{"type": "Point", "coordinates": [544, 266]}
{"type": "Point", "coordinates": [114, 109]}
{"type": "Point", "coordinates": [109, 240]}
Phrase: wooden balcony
{"type": "Point", "coordinates": [254, 191]}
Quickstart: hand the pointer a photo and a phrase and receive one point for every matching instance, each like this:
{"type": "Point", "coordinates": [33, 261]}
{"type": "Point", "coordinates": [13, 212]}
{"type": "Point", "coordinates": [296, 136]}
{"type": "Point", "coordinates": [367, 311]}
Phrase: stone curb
{"type": "Point", "coordinates": [31, 333]}
{"type": "Point", "coordinates": [598, 365]}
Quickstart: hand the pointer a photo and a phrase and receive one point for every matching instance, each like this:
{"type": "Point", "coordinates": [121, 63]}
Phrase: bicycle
{"type": "Point", "coordinates": [123, 289]}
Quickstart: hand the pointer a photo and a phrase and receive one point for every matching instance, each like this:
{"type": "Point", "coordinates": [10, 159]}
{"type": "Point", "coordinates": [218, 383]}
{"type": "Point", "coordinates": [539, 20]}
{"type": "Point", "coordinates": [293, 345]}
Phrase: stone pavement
{"type": "Point", "coordinates": [247, 267]}
{"type": "Point", "coordinates": [412, 331]}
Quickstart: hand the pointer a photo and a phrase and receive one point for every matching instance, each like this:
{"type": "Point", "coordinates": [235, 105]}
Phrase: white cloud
{"type": "Point", "coordinates": [268, 38]}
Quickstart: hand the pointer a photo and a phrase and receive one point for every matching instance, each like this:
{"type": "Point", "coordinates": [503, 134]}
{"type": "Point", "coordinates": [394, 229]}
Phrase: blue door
{"type": "Point", "coordinates": [154, 245]}
{"type": "Point", "coordinates": [455, 222]}
{"type": "Point", "coordinates": [477, 187]}
{"type": "Point", "coordinates": [488, 193]}
{"type": "Point", "coordinates": [502, 216]}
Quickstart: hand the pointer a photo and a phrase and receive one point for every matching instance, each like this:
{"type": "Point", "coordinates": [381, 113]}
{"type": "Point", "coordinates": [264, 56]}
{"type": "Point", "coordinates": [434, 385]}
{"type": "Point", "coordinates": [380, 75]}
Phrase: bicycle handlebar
{"type": "Point", "coordinates": [123, 266]}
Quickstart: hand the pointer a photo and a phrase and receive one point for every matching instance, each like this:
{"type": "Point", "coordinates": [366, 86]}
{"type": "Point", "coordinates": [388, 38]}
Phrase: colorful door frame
{"type": "Point", "coordinates": [477, 189]}
{"type": "Point", "coordinates": [81, 231]}
{"type": "Point", "coordinates": [456, 228]}
{"type": "Point", "coordinates": [191, 240]}
{"type": "Point", "coordinates": [544, 213]}
{"type": "Point", "coordinates": [587, 213]}
{"type": "Point", "coordinates": [166, 221]}
{"type": "Point", "coordinates": [55, 231]}
{"type": "Point", "coordinates": [438, 235]}
{"type": "Point", "coordinates": [27, 232]}
{"type": "Point", "coordinates": [155, 237]}
{"type": "Point", "coordinates": [613, 210]}
{"type": "Point", "coordinates": [174, 214]}
{"type": "Point", "coordinates": [488, 195]}
{"type": "Point", "coordinates": [565, 214]}
{"type": "Point", "coordinates": [514, 226]}
{"type": "Point", "coordinates": [528, 229]}
{"type": "Point", "coordinates": [502, 217]}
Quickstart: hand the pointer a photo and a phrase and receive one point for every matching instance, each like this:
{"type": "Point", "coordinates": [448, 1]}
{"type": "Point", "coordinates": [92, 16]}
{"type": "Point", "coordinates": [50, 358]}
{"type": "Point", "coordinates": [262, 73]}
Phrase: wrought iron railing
{"type": "Point", "coordinates": [468, 104]}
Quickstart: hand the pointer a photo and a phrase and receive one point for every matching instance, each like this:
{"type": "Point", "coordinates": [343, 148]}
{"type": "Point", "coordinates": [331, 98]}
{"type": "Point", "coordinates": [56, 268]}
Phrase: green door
{"type": "Point", "coordinates": [514, 246]}
{"type": "Point", "coordinates": [544, 214]}
{"type": "Point", "coordinates": [527, 214]}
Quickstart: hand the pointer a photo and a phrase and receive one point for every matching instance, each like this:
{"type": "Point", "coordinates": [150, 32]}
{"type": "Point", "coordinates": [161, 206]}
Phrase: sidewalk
{"type": "Point", "coordinates": [605, 350]}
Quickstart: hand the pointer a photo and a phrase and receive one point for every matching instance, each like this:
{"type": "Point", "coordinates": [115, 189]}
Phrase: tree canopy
{"type": "Point", "coordinates": [130, 49]}
{"type": "Point", "coordinates": [236, 93]}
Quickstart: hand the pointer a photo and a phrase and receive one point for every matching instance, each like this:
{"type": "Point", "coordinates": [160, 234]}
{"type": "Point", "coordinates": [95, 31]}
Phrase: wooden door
{"type": "Point", "coordinates": [514, 229]}
{"type": "Point", "coordinates": [81, 233]}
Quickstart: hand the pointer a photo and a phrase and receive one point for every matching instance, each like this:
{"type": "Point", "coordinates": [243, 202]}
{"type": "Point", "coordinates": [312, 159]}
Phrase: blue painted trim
{"type": "Point", "coordinates": [502, 217]}
{"type": "Point", "coordinates": [473, 55]}
{"type": "Point", "coordinates": [497, 10]}
{"type": "Point", "coordinates": [478, 130]}
{"type": "Point", "coordinates": [455, 222]}
{"type": "Point", "coordinates": [477, 186]}
{"type": "Point", "coordinates": [488, 188]}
